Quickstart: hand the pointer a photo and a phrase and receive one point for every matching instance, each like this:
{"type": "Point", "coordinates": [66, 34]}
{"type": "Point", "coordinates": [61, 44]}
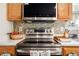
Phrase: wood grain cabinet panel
{"type": "Point", "coordinates": [70, 49]}
{"type": "Point", "coordinates": [14, 11]}
{"type": "Point", "coordinates": [9, 49]}
{"type": "Point", "coordinates": [64, 11]}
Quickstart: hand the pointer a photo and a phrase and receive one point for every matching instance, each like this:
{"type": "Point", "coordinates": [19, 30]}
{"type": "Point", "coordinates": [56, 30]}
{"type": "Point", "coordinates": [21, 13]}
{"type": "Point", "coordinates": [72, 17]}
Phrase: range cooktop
{"type": "Point", "coordinates": [35, 43]}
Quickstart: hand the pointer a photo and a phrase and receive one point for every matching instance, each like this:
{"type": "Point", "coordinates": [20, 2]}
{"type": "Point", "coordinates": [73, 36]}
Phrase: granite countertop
{"type": "Point", "coordinates": [10, 42]}
{"type": "Point", "coordinates": [69, 42]}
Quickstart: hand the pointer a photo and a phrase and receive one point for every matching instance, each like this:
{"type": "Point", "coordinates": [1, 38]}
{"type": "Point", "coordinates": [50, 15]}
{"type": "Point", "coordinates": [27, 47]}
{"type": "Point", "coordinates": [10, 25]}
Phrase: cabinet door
{"type": "Point", "coordinates": [67, 50]}
{"type": "Point", "coordinates": [14, 11]}
{"type": "Point", "coordinates": [64, 11]}
{"type": "Point", "coordinates": [9, 49]}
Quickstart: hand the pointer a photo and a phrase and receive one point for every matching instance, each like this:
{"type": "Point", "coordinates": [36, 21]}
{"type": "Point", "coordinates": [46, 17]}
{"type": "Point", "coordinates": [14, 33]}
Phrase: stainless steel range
{"type": "Point", "coordinates": [39, 42]}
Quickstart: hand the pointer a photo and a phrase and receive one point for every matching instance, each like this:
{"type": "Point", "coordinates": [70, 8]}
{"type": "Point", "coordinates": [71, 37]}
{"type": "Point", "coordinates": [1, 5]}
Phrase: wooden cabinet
{"type": "Point", "coordinates": [9, 49]}
{"type": "Point", "coordinates": [64, 11]}
{"type": "Point", "coordinates": [70, 49]}
{"type": "Point", "coordinates": [14, 11]}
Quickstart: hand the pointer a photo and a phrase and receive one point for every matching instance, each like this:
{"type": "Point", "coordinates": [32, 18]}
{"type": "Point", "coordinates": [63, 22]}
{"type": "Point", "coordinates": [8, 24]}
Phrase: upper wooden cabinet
{"type": "Point", "coordinates": [64, 11]}
{"type": "Point", "coordinates": [14, 11]}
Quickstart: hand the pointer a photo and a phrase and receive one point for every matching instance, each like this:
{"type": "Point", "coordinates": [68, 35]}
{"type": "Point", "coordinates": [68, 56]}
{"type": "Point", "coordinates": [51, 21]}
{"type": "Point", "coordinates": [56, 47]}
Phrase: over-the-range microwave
{"type": "Point", "coordinates": [39, 11]}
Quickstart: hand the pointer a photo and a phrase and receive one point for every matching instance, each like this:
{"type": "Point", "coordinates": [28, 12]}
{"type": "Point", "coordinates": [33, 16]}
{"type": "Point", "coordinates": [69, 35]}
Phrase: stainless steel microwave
{"type": "Point", "coordinates": [39, 11]}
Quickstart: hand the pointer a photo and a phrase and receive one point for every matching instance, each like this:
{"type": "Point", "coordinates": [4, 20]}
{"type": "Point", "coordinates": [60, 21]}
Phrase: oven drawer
{"type": "Point", "coordinates": [39, 52]}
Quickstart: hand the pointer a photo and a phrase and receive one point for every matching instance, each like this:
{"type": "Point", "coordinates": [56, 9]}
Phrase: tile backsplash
{"type": "Point", "coordinates": [57, 25]}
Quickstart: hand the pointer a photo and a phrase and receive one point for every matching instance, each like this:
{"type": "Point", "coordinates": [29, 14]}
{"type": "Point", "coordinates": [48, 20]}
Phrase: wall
{"type": "Point", "coordinates": [75, 11]}
{"type": "Point", "coordinates": [5, 26]}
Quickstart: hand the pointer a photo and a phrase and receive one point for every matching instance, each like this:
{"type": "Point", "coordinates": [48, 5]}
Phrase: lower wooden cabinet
{"type": "Point", "coordinates": [70, 49]}
{"type": "Point", "coordinates": [9, 49]}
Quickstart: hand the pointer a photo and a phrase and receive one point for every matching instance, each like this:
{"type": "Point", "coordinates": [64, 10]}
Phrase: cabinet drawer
{"type": "Point", "coordinates": [9, 49]}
